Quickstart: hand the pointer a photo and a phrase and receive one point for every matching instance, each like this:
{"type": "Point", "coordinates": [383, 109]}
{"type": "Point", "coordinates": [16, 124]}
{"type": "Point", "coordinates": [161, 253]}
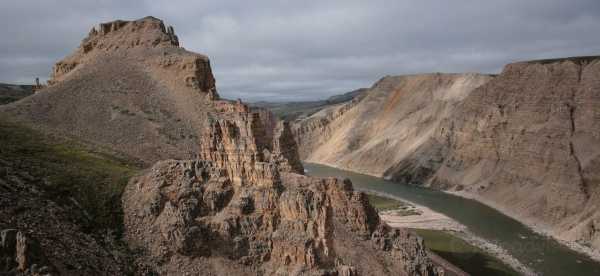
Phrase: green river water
{"type": "Point", "coordinates": [542, 254]}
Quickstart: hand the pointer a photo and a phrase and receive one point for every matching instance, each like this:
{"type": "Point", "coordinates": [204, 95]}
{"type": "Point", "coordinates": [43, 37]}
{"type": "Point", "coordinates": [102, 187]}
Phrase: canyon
{"type": "Point", "coordinates": [524, 142]}
{"type": "Point", "coordinates": [220, 188]}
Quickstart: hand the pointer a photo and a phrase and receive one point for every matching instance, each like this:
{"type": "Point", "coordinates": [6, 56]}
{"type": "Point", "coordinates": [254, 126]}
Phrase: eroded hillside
{"type": "Point", "coordinates": [526, 141]}
{"type": "Point", "coordinates": [397, 116]}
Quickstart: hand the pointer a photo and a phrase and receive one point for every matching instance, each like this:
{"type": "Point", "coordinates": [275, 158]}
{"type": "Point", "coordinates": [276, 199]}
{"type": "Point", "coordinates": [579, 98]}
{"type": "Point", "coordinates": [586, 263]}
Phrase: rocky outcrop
{"type": "Point", "coordinates": [243, 208]}
{"type": "Point", "coordinates": [194, 216]}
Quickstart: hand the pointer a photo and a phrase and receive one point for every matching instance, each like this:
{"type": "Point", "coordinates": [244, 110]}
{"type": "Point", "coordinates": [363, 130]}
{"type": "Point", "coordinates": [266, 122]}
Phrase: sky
{"type": "Point", "coordinates": [306, 50]}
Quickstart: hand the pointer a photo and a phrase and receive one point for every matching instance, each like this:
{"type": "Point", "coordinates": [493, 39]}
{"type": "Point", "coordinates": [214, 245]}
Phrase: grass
{"type": "Point", "coordinates": [469, 258]}
{"type": "Point", "coordinates": [94, 179]}
{"type": "Point", "coordinates": [382, 203]}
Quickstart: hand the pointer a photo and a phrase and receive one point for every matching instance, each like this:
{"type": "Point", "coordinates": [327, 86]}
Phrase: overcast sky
{"type": "Point", "coordinates": [298, 50]}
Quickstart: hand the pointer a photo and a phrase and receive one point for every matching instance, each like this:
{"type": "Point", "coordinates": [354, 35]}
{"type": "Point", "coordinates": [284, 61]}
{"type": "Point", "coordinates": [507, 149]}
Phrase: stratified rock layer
{"type": "Point", "coordinates": [396, 116]}
{"type": "Point", "coordinates": [529, 142]}
{"type": "Point", "coordinates": [526, 141]}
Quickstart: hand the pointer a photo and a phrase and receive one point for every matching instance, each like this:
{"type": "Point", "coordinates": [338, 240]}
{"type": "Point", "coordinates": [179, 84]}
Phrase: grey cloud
{"type": "Point", "coordinates": [294, 50]}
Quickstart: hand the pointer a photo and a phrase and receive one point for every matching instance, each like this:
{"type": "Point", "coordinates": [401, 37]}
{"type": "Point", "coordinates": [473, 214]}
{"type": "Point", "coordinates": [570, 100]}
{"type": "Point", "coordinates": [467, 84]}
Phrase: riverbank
{"type": "Point", "coordinates": [535, 227]}
{"type": "Point", "coordinates": [422, 217]}
{"type": "Point", "coordinates": [532, 225]}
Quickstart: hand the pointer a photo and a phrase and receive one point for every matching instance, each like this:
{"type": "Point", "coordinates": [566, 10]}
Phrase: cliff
{"type": "Point", "coordinates": [529, 141]}
{"type": "Point", "coordinates": [525, 142]}
{"type": "Point", "coordinates": [394, 118]}
{"type": "Point", "coordinates": [234, 203]}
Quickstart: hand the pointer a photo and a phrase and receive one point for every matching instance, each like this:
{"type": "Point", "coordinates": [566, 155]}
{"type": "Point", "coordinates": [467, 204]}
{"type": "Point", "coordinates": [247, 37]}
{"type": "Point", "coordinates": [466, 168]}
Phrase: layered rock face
{"type": "Point", "coordinates": [243, 208]}
{"type": "Point", "coordinates": [526, 141]}
{"type": "Point", "coordinates": [397, 116]}
{"type": "Point", "coordinates": [529, 142]}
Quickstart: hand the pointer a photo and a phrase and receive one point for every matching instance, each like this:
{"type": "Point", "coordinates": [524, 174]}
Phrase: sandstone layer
{"type": "Point", "coordinates": [526, 142]}
{"type": "Point", "coordinates": [239, 204]}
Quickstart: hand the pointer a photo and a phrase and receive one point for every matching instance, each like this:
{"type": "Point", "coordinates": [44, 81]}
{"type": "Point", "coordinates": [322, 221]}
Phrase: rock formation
{"type": "Point", "coordinates": [525, 141]}
{"type": "Point", "coordinates": [238, 206]}
{"type": "Point", "coordinates": [195, 216]}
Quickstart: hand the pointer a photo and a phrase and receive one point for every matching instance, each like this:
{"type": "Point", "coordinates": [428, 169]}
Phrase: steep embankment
{"type": "Point", "coordinates": [397, 116]}
{"type": "Point", "coordinates": [529, 143]}
{"type": "Point", "coordinates": [241, 206]}
{"type": "Point", "coordinates": [526, 142]}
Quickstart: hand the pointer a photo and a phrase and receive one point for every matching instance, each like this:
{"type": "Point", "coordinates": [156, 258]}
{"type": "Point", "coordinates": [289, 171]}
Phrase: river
{"type": "Point", "coordinates": [544, 255]}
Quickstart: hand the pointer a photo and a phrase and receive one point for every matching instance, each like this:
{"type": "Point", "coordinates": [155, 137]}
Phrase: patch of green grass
{"type": "Point", "coordinates": [93, 178]}
{"type": "Point", "coordinates": [469, 258]}
{"type": "Point", "coordinates": [382, 203]}
{"type": "Point", "coordinates": [8, 99]}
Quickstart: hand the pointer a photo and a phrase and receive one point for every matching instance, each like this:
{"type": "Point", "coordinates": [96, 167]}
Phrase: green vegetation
{"type": "Point", "coordinates": [8, 99]}
{"type": "Point", "coordinates": [382, 203]}
{"type": "Point", "coordinates": [462, 254]}
{"type": "Point", "coordinates": [93, 178]}
{"type": "Point", "coordinates": [13, 92]}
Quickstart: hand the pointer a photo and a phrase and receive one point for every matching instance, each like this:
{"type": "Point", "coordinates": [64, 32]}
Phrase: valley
{"type": "Point", "coordinates": [540, 253]}
{"type": "Point", "coordinates": [132, 159]}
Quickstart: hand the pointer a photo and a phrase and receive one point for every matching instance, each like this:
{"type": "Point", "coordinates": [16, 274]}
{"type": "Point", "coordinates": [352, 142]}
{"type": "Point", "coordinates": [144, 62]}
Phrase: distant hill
{"type": "Point", "coordinates": [291, 111]}
{"type": "Point", "coordinates": [13, 92]}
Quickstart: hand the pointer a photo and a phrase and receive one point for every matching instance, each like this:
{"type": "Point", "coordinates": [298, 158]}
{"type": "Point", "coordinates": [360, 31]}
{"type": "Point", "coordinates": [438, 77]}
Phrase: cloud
{"type": "Point", "coordinates": [296, 50]}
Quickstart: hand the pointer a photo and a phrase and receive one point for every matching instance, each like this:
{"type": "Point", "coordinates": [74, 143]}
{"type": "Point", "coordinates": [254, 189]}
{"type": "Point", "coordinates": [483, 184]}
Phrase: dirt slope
{"type": "Point", "coordinates": [397, 116]}
{"type": "Point", "coordinates": [128, 86]}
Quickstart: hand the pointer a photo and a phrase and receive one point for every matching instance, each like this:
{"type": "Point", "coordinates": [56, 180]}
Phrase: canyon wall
{"type": "Point", "coordinates": [529, 142]}
{"type": "Point", "coordinates": [526, 142]}
{"type": "Point", "coordinates": [397, 116]}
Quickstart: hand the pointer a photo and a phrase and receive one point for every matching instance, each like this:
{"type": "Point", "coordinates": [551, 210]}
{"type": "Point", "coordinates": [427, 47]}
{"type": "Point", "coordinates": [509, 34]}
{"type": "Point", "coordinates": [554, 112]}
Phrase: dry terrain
{"type": "Point", "coordinates": [239, 205]}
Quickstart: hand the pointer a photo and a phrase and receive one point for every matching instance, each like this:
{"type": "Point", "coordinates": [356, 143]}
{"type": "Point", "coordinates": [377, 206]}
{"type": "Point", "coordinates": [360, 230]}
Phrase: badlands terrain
{"type": "Point", "coordinates": [130, 163]}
